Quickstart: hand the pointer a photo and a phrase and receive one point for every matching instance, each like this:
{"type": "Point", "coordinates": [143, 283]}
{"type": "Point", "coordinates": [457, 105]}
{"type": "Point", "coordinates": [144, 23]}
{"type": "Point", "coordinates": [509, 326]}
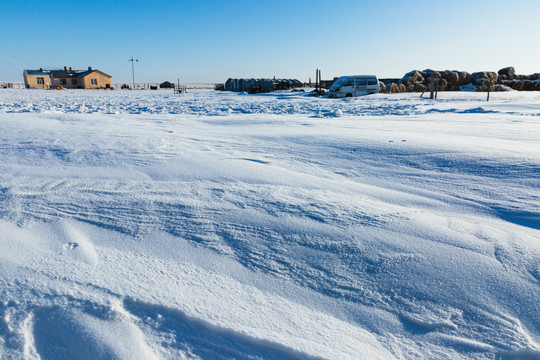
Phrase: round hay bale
{"type": "Point", "coordinates": [516, 85]}
{"type": "Point", "coordinates": [411, 77]}
{"type": "Point", "coordinates": [393, 88]}
{"type": "Point", "coordinates": [486, 85]}
{"type": "Point", "coordinates": [442, 84]}
{"type": "Point", "coordinates": [430, 73]}
{"type": "Point", "coordinates": [465, 78]}
{"type": "Point", "coordinates": [402, 88]}
{"type": "Point", "coordinates": [451, 77]}
{"type": "Point", "coordinates": [492, 76]}
{"type": "Point", "coordinates": [509, 72]}
{"type": "Point", "coordinates": [528, 85]}
{"type": "Point", "coordinates": [479, 77]}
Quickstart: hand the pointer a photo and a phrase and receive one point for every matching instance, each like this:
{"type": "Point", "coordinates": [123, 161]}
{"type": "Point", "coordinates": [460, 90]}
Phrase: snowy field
{"type": "Point", "coordinates": [214, 225]}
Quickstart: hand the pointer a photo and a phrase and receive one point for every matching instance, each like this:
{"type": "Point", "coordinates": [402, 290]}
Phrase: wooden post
{"type": "Point", "coordinates": [488, 89]}
{"type": "Point", "coordinates": [432, 86]}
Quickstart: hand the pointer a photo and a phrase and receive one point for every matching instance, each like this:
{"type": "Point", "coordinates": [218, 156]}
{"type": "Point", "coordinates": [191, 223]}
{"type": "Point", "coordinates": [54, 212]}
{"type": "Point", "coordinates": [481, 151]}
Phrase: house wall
{"type": "Point", "coordinates": [68, 84]}
{"type": "Point", "coordinates": [102, 80]}
{"type": "Point", "coordinates": [32, 82]}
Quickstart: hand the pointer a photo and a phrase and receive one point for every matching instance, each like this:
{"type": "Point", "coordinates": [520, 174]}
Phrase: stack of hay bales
{"type": "Point", "coordinates": [519, 82]}
{"type": "Point", "coordinates": [411, 80]}
{"type": "Point", "coordinates": [454, 80]}
{"type": "Point", "coordinates": [484, 80]}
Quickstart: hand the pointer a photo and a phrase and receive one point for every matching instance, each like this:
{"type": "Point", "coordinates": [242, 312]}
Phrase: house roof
{"type": "Point", "coordinates": [38, 72]}
{"type": "Point", "coordinates": [70, 73]}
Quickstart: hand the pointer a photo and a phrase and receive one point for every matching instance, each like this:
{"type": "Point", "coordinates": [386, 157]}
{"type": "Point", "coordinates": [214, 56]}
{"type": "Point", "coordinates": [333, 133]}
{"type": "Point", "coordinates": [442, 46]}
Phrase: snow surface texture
{"type": "Point", "coordinates": [214, 225]}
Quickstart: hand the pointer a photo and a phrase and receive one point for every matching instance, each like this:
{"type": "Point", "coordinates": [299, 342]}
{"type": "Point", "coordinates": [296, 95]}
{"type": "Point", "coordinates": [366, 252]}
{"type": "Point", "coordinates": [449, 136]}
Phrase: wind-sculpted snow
{"type": "Point", "coordinates": [213, 103]}
{"type": "Point", "coordinates": [219, 225]}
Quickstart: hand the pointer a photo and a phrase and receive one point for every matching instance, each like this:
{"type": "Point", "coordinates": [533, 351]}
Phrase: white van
{"type": "Point", "coordinates": [354, 85]}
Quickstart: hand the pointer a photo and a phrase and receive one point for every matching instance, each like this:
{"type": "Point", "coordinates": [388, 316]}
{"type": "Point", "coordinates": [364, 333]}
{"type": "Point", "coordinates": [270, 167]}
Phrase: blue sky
{"type": "Point", "coordinates": [210, 41]}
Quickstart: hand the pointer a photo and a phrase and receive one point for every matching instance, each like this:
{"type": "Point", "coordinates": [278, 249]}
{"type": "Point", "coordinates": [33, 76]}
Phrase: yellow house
{"type": "Point", "coordinates": [67, 78]}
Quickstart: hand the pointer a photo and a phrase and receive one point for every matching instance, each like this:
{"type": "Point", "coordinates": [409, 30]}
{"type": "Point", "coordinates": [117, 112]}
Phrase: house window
{"type": "Point", "coordinates": [40, 81]}
{"type": "Point", "coordinates": [93, 81]}
{"type": "Point", "coordinates": [64, 82]}
{"type": "Point", "coordinates": [74, 82]}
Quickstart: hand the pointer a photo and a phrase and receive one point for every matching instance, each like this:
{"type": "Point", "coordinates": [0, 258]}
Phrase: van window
{"type": "Point", "coordinates": [360, 82]}
{"type": "Point", "coordinates": [372, 81]}
{"type": "Point", "coordinates": [348, 82]}
{"type": "Point", "coordinates": [339, 81]}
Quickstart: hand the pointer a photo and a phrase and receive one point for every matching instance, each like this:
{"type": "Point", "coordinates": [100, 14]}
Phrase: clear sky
{"type": "Point", "coordinates": [210, 41]}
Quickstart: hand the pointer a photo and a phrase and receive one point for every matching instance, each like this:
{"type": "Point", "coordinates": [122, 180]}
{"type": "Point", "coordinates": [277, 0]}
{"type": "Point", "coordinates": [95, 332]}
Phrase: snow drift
{"type": "Point", "coordinates": [219, 225]}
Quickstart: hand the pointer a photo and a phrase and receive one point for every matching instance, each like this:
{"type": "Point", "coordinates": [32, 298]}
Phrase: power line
{"type": "Point", "coordinates": [18, 59]}
{"type": "Point", "coordinates": [9, 62]}
{"type": "Point", "coordinates": [8, 70]}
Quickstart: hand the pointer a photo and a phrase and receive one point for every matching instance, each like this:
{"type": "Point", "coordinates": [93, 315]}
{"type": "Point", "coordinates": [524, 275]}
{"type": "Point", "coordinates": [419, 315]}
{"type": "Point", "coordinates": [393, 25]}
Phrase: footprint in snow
{"type": "Point", "coordinates": [70, 246]}
{"type": "Point", "coordinates": [78, 246]}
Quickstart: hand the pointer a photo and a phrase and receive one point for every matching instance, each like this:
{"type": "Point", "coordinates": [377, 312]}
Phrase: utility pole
{"type": "Point", "coordinates": [133, 70]}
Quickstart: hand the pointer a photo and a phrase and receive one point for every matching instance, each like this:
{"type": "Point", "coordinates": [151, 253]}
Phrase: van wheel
{"type": "Point", "coordinates": [348, 95]}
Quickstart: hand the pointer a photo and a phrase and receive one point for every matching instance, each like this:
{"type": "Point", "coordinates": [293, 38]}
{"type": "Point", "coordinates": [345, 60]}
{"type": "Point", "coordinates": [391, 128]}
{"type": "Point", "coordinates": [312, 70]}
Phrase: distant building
{"type": "Point", "coordinates": [260, 85]}
{"type": "Point", "coordinates": [67, 78]}
{"type": "Point", "coordinates": [166, 85]}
